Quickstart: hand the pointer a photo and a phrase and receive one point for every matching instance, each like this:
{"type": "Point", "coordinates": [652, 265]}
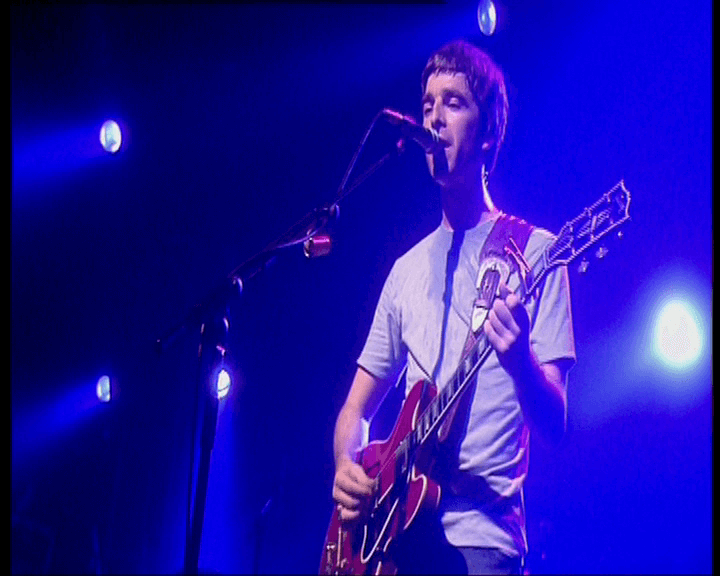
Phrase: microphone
{"type": "Point", "coordinates": [428, 138]}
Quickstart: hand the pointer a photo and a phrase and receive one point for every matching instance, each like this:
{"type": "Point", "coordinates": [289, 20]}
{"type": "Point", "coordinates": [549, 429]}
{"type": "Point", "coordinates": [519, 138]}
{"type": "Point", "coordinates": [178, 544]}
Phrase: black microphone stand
{"type": "Point", "coordinates": [213, 334]}
{"type": "Point", "coordinates": [211, 316]}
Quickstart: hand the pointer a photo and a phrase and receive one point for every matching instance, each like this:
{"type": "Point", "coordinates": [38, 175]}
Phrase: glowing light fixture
{"type": "Point", "coordinates": [110, 136]}
{"type": "Point", "coordinates": [223, 384]}
{"type": "Point", "coordinates": [487, 17]}
{"type": "Point", "coordinates": [103, 389]}
{"type": "Point", "coordinates": [678, 340]}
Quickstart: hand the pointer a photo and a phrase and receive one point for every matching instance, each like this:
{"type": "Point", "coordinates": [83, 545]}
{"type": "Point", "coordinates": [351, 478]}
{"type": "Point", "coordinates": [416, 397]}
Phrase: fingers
{"type": "Point", "coordinates": [352, 479]}
{"type": "Point", "coordinates": [505, 320]}
{"type": "Point", "coordinates": [509, 297]}
{"type": "Point", "coordinates": [496, 334]}
{"type": "Point", "coordinates": [352, 489]}
{"type": "Point", "coordinates": [500, 326]}
{"type": "Point", "coordinates": [347, 514]}
{"type": "Point", "coordinates": [509, 309]}
{"type": "Point", "coordinates": [503, 290]}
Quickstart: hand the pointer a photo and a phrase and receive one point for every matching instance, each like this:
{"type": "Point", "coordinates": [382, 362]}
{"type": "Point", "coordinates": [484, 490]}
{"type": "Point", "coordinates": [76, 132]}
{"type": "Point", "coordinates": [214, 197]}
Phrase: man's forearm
{"type": "Point", "coordinates": [541, 393]}
{"type": "Point", "coordinates": [348, 433]}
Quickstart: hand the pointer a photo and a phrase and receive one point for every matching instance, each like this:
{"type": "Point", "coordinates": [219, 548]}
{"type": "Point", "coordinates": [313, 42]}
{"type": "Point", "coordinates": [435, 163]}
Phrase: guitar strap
{"type": "Point", "coordinates": [508, 234]}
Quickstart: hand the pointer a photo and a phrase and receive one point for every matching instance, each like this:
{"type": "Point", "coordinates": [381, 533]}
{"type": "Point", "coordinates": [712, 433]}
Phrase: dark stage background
{"type": "Point", "coordinates": [238, 120]}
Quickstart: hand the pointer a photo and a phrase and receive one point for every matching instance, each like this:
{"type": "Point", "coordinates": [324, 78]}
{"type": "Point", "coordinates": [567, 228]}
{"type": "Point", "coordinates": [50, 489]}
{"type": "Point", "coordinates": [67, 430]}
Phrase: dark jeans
{"type": "Point", "coordinates": [425, 550]}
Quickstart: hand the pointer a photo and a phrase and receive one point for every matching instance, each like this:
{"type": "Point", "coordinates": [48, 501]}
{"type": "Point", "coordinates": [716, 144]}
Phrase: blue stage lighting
{"type": "Point", "coordinates": [59, 152]}
{"type": "Point", "coordinates": [678, 340]}
{"type": "Point", "coordinates": [487, 17]}
{"type": "Point", "coordinates": [103, 389]}
{"type": "Point", "coordinates": [223, 384]}
{"type": "Point", "coordinates": [110, 136]}
{"type": "Point", "coordinates": [48, 422]}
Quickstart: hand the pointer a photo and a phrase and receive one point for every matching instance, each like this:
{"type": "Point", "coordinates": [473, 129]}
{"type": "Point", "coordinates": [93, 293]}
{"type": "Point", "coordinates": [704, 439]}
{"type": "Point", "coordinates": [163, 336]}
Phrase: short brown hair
{"type": "Point", "coordinates": [486, 82]}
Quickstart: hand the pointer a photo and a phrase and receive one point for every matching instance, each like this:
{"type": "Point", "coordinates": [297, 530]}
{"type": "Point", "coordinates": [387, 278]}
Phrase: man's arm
{"type": "Point", "coordinates": [540, 387]}
{"type": "Point", "coordinates": [351, 486]}
{"type": "Point", "coordinates": [541, 391]}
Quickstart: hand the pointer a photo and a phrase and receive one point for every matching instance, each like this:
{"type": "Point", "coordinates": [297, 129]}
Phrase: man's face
{"type": "Point", "coordinates": [449, 108]}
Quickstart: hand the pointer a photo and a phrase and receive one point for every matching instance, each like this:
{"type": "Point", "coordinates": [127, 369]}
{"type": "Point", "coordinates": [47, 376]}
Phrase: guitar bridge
{"type": "Point", "coordinates": [329, 557]}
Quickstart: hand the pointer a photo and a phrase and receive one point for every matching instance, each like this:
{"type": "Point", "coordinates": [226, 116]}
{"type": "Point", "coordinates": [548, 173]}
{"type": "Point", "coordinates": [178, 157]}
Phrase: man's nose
{"type": "Point", "coordinates": [437, 116]}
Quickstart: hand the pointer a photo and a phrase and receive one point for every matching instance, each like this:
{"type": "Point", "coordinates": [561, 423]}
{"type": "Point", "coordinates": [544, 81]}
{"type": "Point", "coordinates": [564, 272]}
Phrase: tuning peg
{"type": "Point", "coordinates": [601, 252]}
{"type": "Point", "coordinates": [584, 264]}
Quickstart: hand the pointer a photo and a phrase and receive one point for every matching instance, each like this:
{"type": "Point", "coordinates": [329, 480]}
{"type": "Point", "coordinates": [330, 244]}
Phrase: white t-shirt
{"type": "Point", "coordinates": [408, 328]}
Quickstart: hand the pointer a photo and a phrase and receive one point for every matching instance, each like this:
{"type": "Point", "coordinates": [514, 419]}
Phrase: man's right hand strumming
{"type": "Point", "coordinates": [352, 490]}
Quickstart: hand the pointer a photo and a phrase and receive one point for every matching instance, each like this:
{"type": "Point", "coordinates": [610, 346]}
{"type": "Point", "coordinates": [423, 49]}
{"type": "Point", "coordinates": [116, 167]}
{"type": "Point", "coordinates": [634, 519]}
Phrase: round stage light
{"type": "Point", "coordinates": [110, 136]}
{"type": "Point", "coordinates": [103, 389]}
{"type": "Point", "coordinates": [678, 340]}
{"type": "Point", "coordinates": [487, 17]}
{"type": "Point", "coordinates": [223, 384]}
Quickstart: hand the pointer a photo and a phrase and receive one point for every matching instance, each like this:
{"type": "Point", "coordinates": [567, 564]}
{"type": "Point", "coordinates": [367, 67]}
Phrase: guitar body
{"type": "Point", "coordinates": [404, 489]}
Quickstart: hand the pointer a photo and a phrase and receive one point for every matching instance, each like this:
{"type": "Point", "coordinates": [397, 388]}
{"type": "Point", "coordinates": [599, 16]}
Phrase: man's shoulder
{"type": "Point", "coordinates": [538, 240]}
{"type": "Point", "coordinates": [537, 233]}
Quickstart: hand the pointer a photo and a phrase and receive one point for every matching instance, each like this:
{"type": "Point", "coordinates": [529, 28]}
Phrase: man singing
{"type": "Point", "coordinates": [430, 306]}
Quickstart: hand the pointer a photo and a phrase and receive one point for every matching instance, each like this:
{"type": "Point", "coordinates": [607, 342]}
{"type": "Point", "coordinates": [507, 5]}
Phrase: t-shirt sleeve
{"type": "Point", "coordinates": [551, 335]}
{"type": "Point", "coordinates": [384, 352]}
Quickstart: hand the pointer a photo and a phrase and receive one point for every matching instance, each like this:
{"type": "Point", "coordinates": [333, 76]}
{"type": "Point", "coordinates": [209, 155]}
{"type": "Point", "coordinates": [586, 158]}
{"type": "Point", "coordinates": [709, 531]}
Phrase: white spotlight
{"type": "Point", "coordinates": [223, 384]}
{"type": "Point", "coordinates": [487, 17]}
{"type": "Point", "coordinates": [110, 136]}
{"type": "Point", "coordinates": [678, 341]}
{"type": "Point", "coordinates": [103, 389]}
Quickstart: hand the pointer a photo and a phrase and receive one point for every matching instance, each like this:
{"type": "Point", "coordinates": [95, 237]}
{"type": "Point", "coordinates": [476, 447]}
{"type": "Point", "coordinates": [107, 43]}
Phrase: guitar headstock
{"type": "Point", "coordinates": [605, 216]}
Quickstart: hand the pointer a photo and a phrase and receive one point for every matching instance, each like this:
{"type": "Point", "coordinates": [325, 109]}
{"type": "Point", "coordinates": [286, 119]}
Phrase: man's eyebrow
{"type": "Point", "coordinates": [453, 92]}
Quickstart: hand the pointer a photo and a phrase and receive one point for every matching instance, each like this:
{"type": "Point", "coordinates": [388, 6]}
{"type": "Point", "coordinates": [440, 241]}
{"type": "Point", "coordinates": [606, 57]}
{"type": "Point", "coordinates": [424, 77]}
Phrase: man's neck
{"type": "Point", "coordinates": [465, 207]}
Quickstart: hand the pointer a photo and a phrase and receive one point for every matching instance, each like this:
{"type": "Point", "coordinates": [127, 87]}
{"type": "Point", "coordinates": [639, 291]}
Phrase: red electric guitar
{"type": "Point", "coordinates": [402, 465]}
